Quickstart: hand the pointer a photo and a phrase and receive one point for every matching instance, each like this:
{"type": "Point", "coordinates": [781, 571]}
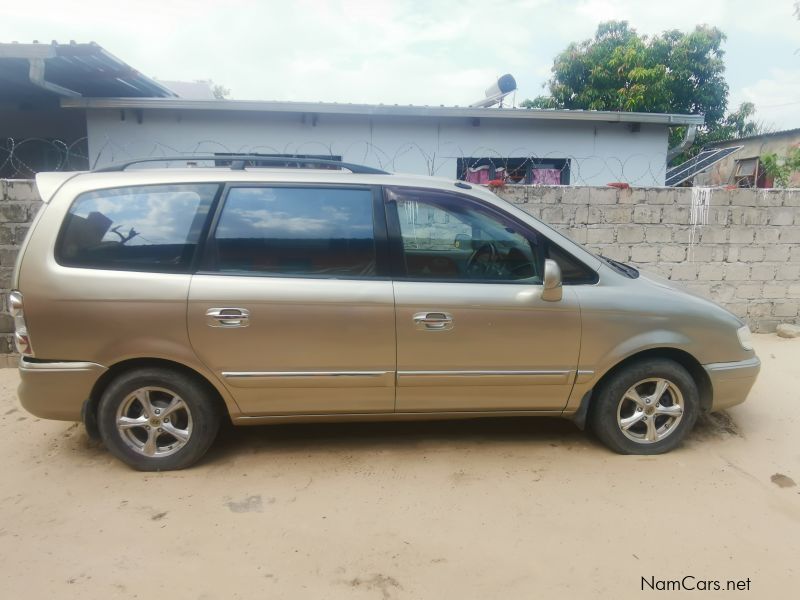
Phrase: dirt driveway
{"type": "Point", "coordinates": [481, 509]}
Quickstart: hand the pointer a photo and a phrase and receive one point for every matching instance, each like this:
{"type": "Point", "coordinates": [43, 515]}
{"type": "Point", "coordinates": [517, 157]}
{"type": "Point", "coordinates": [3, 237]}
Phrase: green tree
{"type": "Point", "coordinates": [781, 169]}
{"type": "Point", "coordinates": [673, 72]}
{"type": "Point", "coordinates": [737, 124]}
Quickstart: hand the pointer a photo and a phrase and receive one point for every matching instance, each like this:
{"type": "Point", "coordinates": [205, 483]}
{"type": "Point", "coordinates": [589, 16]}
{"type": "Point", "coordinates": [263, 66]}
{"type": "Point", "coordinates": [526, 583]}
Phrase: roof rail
{"type": "Point", "coordinates": [238, 162]}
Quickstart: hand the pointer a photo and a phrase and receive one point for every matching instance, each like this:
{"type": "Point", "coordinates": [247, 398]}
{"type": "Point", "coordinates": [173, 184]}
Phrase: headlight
{"type": "Point", "coordinates": [745, 337]}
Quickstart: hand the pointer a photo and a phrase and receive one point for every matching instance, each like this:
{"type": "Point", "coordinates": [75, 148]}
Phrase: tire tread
{"type": "Point", "coordinates": [603, 409]}
{"type": "Point", "coordinates": [205, 416]}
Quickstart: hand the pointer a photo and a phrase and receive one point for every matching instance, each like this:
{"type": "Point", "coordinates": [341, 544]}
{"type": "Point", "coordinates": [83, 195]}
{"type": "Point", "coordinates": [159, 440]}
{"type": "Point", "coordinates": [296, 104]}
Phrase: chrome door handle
{"type": "Point", "coordinates": [433, 321]}
{"type": "Point", "coordinates": [227, 317]}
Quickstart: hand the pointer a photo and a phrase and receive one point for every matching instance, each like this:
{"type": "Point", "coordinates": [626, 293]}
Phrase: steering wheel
{"type": "Point", "coordinates": [482, 259]}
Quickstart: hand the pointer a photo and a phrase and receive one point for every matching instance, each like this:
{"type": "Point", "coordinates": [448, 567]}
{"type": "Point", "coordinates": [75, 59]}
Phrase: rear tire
{"type": "Point", "coordinates": [157, 419]}
{"type": "Point", "coordinates": [646, 407]}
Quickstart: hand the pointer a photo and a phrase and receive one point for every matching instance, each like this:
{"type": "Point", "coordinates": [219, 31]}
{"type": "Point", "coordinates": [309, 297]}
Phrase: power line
{"type": "Point", "coordinates": [777, 105]}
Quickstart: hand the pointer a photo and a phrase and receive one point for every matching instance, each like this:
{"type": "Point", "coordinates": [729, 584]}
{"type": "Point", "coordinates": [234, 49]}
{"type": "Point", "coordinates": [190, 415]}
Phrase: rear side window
{"type": "Point", "coordinates": [296, 231]}
{"type": "Point", "coordinates": [145, 228]}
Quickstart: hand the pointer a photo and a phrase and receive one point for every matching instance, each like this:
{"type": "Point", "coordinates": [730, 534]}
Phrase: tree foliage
{"type": "Point", "coordinates": [672, 72]}
{"type": "Point", "coordinates": [219, 91]}
{"type": "Point", "coordinates": [782, 168]}
{"type": "Point", "coordinates": [737, 124]}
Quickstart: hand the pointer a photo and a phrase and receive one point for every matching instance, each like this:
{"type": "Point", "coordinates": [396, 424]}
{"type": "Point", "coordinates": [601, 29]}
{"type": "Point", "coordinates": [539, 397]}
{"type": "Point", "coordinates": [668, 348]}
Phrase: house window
{"type": "Point", "coordinates": [514, 170]}
{"type": "Point", "coordinates": [749, 173]}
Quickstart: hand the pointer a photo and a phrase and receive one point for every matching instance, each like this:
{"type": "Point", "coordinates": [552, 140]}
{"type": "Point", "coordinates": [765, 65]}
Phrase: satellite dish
{"type": "Point", "coordinates": [497, 91]}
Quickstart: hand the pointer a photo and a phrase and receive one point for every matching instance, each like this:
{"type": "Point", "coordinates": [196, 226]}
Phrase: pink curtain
{"type": "Point", "coordinates": [546, 176]}
{"type": "Point", "coordinates": [478, 175]}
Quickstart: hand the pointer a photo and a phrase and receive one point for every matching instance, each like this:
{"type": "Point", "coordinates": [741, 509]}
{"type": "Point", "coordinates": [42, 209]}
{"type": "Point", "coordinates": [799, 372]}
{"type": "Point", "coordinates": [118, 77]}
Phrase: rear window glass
{"type": "Point", "coordinates": [144, 228]}
{"type": "Point", "coordinates": [296, 231]}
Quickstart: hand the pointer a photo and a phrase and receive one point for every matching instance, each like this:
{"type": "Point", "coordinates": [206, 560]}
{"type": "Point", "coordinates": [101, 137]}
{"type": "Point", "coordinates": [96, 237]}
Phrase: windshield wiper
{"type": "Point", "coordinates": [626, 270]}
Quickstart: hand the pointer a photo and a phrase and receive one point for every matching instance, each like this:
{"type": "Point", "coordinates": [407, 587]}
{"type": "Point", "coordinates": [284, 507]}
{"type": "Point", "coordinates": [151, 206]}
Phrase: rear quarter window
{"type": "Point", "coordinates": [152, 228]}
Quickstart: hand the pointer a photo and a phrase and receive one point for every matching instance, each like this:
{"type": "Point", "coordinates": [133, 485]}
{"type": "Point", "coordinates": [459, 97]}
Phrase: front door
{"type": "Point", "coordinates": [289, 309]}
{"type": "Point", "coordinates": [473, 333]}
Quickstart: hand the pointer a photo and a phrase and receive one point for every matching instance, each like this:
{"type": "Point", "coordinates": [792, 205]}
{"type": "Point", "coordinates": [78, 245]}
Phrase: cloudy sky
{"type": "Point", "coordinates": [405, 51]}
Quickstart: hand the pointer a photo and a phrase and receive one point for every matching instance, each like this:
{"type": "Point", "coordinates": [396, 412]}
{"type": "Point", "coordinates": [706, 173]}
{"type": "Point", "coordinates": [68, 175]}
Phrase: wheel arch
{"type": "Point", "coordinates": [89, 412]}
{"type": "Point", "coordinates": [682, 357]}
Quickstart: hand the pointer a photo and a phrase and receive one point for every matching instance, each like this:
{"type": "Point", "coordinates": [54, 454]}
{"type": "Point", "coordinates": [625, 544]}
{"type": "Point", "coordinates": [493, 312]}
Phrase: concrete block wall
{"type": "Point", "coordinates": [742, 251]}
{"type": "Point", "coordinates": [19, 202]}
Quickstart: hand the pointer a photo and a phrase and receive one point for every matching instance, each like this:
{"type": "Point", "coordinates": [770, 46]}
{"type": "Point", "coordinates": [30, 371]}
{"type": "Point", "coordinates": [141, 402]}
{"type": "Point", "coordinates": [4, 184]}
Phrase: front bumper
{"type": "Point", "coordinates": [56, 390]}
{"type": "Point", "coordinates": [732, 381]}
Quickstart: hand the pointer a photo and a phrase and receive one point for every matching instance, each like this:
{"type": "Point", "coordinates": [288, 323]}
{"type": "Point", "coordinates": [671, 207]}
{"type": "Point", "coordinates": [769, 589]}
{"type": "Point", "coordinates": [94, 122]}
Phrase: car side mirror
{"type": "Point", "coordinates": [462, 241]}
{"type": "Point", "coordinates": [552, 291]}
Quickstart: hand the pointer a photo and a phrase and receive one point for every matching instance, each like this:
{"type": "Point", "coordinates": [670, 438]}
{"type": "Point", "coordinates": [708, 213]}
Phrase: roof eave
{"type": "Point", "coordinates": [769, 134]}
{"type": "Point", "coordinates": [380, 110]}
{"type": "Point", "coordinates": [43, 57]}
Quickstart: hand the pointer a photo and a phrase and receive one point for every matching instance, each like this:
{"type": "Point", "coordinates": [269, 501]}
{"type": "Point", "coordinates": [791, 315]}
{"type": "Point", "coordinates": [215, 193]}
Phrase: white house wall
{"type": "Point", "coordinates": [599, 153]}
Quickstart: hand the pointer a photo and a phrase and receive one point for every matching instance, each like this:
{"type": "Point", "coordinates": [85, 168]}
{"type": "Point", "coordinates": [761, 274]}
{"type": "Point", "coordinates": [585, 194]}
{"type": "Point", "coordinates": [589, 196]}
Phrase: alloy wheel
{"type": "Point", "coordinates": [650, 410]}
{"type": "Point", "coordinates": [154, 422]}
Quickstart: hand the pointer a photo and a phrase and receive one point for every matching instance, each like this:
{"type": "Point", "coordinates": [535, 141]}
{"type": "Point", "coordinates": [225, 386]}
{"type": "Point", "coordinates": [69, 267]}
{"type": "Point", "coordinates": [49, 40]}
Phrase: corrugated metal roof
{"type": "Point", "coordinates": [196, 90]}
{"type": "Point", "coordinates": [73, 69]}
{"type": "Point", "coordinates": [795, 131]}
{"type": "Point", "coordinates": [387, 110]}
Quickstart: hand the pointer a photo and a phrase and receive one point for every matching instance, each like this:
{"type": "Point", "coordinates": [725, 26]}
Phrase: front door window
{"type": "Point", "coordinates": [447, 237]}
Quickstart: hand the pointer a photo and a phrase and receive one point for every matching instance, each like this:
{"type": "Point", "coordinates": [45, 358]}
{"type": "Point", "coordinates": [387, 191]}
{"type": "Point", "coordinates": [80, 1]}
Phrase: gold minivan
{"type": "Point", "coordinates": [152, 303]}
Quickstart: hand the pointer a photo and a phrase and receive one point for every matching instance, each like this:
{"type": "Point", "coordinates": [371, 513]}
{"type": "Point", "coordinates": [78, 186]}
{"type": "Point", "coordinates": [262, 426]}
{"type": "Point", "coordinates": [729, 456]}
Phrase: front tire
{"type": "Point", "coordinates": [646, 407]}
{"type": "Point", "coordinates": [156, 419]}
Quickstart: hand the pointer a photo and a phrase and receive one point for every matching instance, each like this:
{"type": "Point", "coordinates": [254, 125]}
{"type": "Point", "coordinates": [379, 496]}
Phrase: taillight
{"type": "Point", "coordinates": [21, 338]}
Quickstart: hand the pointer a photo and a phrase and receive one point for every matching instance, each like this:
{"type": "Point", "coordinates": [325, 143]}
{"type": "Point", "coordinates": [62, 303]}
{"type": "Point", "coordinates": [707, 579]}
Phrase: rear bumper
{"type": "Point", "coordinates": [56, 390]}
{"type": "Point", "coordinates": [731, 381]}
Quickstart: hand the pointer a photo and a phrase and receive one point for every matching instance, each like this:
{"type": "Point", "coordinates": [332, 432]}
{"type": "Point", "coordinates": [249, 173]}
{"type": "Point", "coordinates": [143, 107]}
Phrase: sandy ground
{"type": "Point", "coordinates": [480, 509]}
